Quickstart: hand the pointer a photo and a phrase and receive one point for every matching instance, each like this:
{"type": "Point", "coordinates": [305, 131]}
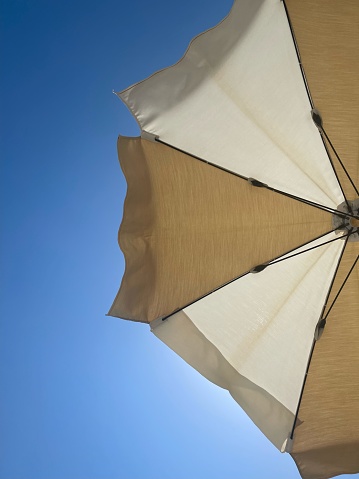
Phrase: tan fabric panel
{"type": "Point", "coordinates": [326, 443]}
{"type": "Point", "coordinates": [189, 227]}
{"type": "Point", "coordinates": [327, 33]}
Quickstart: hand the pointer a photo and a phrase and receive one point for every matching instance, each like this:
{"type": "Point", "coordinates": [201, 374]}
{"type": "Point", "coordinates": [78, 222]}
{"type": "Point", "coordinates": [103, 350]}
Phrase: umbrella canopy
{"type": "Point", "coordinates": [231, 177]}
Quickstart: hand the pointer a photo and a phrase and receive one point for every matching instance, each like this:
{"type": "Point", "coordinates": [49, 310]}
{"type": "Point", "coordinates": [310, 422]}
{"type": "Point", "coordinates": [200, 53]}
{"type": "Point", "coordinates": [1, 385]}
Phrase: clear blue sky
{"type": "Point", "coordinates": [85, 396]}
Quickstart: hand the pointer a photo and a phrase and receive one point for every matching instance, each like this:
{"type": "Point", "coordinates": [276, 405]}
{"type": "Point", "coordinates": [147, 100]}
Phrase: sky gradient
{"type": "Point", "coordinates": [83, 395]}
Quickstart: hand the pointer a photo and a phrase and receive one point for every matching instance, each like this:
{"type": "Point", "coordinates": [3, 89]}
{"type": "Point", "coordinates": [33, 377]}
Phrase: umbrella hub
{"type": "Point", "coordinates": [348, 223]}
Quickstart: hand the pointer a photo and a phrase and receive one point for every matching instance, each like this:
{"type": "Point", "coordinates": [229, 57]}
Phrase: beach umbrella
{"type": "Point", "coordinates": [240, 224]}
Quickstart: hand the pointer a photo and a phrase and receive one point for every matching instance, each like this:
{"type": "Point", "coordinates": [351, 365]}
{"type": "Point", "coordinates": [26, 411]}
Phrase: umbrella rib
{"type": "Point", "coordinates": [314, 340]}
{"type": "Point", "coordinates": [245, 274]}
{"type": "Point", "coordinates": [298, 55]}
{"type": "Point", "coordinates": [259, 183]}
{"type": "Point", "coordinates": [201, 159]}
{"type": "Point", "coordinates": [340, 161]}
{"type": "Point", "coordinates": [262, 266]}
{"type": "Point", "coordinates": [341, 288]}
{"type": "Point", "coordinates": [312, 104]}
{"type": "Point", "coordinates": [312, 203]}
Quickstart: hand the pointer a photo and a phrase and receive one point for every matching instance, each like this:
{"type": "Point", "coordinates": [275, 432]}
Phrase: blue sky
{"type": "Point", "coordinates": [85, 396]}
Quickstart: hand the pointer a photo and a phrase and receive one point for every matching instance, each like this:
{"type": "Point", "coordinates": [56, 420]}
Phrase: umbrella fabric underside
{"type": "Point", "coordinates": [276, 310]}
{"type": "Point", "coordinates": [327, 441]}
{"type": "Point", "coordinates": [190, 228]}
{"type": "Point", "coordinates": [182, 215]}
{"type": "Point", "coordinates": [257, 122]}
{"type": "Point", "coordinates": [327, 33]}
